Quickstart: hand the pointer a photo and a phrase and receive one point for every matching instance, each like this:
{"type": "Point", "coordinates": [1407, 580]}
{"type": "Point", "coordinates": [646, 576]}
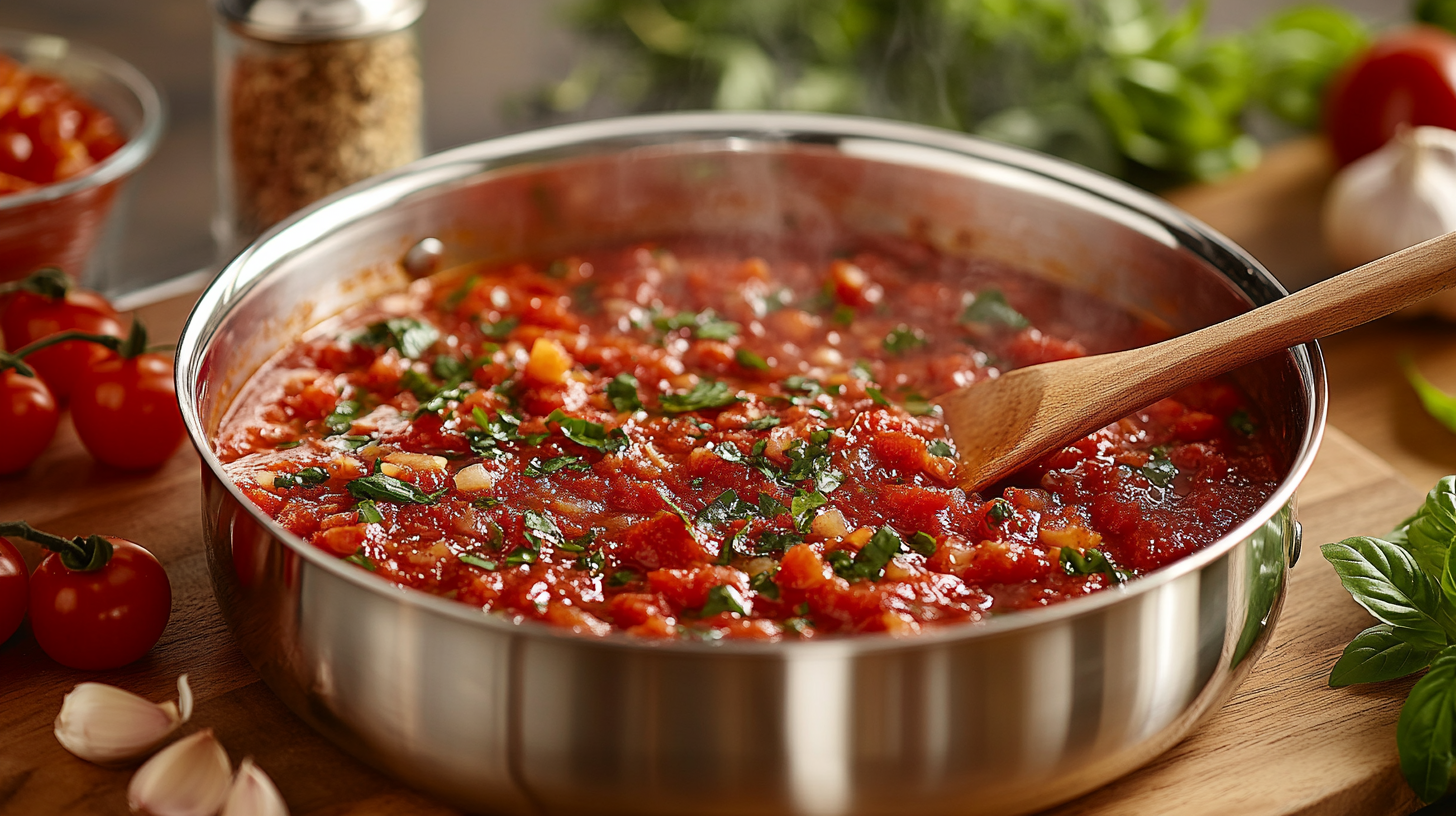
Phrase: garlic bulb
{"type": "Point", "coordinates": [187, 778]}
{"type": "Point", "coordinates": [253, 794]}
{"type": "Point", "coordinates": [1400, 195]}
{"type": "Point", "coordinates": [108, 726]}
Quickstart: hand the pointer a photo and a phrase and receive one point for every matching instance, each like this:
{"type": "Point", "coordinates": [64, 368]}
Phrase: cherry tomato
{"type": "Point", "coordinates": [100, 619]}
{"type": "Point", "coordinates": [26, 317]}
{"type": "Point", "coordinates": [1407, 78]}
{"type": "Point", "coordinates": [126, 413]}
{"type": "Point", "coordinates": [14, 589]}
{"type": "Point", "coordinates": [28, 419]}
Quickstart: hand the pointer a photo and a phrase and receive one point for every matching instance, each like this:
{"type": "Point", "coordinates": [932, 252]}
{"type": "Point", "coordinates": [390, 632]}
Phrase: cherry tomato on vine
{"type": "Point", "coordinates": [46, 303]}
{"type": "Point", "coordinates": [28, 419]}
{"type": "Point", "coordinates": [1407, 78]}
{"type": "Point", "coordinates": [125, 407]}
{"type": "Point", "coordinates": [103, 617]}
{"type": "Point", "coordinates": [14, 589]}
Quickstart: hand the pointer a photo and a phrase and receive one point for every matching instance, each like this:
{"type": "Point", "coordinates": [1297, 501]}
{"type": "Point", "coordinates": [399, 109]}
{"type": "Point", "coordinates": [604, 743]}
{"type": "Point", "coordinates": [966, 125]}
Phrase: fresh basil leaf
{"type": "Point", "coordinates": [361, 559]}
{"type": "Point", "coordinates": [727, 507]}
{"type": "Point", "coordinates": [454, 299]}
{"type": "Point", "coordinates": [1440, 405]}
{"type": "Point", "coordinates": [453, 371]}
{"type": "Point", "coordinates": [288, 445]}
{"type": "Point", "coordinates": [763, 583]}
{"type": "Point", "coordinates": [369, 512]}
{"type": "Point", "coordinates": [542, 467]}
{"type": "Point", "coordinates": [623, 577]}
{"type": "Point", "coordinates": [416, 383]}
{"type": "Point", "coordinates": [724, 598]}
{"type": "Point", "coordinates": [903, 338]}
{"type": "Point", "coordinates": [999, 510]}
{"type": "Point", "coordinates": [798, 625]}
{"type": "Point", "coordinates": [381, 487]}
{"type": "Point", "coordinates": [410, 337]}
{"type": "Point", "coordinates": [1378, 654]}
{"type": "Point", "coordinates": [477, 561]}
{"type": "Point", "coordinates": [762, 423]}
{"type": "Point", "coordinates": [486, 502]}
{"type": "Point", "coordinates": [729, 452]}
{"type": "Point", "coordinates": [1431, 530]}
{"type": "Point", "coordinates": [622, 391]}
{"type": "Point", "coordinates": [776, 541]}
{"type": "Point", "coordinates": [940, 447]}
{"type": "Point", "coordinates": [1091, 562]}
{"type": "Point", "coordinates": [307, 477]}
{"type": "Point", "coordinates": [1385, 580]}
{"type": "Point", "coordinates": [872, 559]}
{"type": "Point", "coordinates": [877, 396]}
{"type": "Point", "coordinates": [991, 309]}
{"type": "Point", "coordinates": [541, 530]}
{"type": "Point", "coordinates": [522, 555]}
{"type": "Point", "coordinates": [843, 315]}
{"type": "Point", "coordinates": [705, 325]}
{"type": "Point", "coordinates": [705, 394]}
{"type": "Point", "coordinates": [500, 329]}
{"type": "Point", "coordinates": [748, 359]}
{"type": "Point", "coordinates": [1242, 423]}
{"type": "Point", "coordinates": [355, 442]}
{"type": "Point", "coordinates": [583, 432]}
{"type": "Point", "coordinates": [861, 371]}
{"type": "Point", "coordinates": [923, 543]}
{"type": "Point", "coordinates": [1160, 471]}
{"type": "Point", "coordinates": [1426, 730]}
{"type": "Point", "coordinates": [592, 562]}
{"type": "Point", "coordinates": [803, 505]}
{"type": "Point", "coordinates": [341, 419]}
{"type": "Point", "coordinates": [769, 507]}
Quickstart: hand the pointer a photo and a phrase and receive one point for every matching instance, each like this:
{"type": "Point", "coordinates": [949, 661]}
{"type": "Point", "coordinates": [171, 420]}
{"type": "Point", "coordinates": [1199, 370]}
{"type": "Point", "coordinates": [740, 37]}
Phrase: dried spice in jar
{"type": "Point", "coordinates": [314, 96]}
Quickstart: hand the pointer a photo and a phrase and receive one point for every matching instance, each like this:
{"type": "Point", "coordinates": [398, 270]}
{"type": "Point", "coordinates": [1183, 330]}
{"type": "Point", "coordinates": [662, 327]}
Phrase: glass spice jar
{"type": "Point", "coordinates": [312, 96]}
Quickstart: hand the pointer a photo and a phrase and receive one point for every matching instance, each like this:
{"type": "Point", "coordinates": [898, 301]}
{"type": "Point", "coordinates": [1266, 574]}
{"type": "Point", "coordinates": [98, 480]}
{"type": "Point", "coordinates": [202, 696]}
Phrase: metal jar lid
{"type": "Point", "coordinates": [298, 21]}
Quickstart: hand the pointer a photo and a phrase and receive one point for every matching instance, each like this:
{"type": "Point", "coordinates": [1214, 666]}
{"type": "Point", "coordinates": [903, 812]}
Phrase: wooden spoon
{"type": "Point", "coordinates": [1003, 424]}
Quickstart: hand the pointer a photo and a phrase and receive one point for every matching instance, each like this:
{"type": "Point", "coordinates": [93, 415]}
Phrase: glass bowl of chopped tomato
{"type": "Point", "coordinates": [75, 123]}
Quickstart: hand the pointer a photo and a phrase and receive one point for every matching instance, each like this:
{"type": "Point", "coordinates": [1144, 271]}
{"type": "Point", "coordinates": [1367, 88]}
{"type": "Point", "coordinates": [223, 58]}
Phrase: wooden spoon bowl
{"type": "Point", "coordinates": [1003, 424]}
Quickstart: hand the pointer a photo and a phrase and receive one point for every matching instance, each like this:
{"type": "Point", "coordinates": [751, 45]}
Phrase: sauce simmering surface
{"type": "Point", "coordinates": [680, 440]}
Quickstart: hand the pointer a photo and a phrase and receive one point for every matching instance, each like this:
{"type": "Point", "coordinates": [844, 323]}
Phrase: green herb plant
{"type": "Point", "coordinates": [1128, 87]}
{"type": "Point", "coordinates": [1407, 581]}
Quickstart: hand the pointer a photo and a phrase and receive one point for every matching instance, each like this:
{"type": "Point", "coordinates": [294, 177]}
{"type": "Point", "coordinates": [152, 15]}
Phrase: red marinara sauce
{"type": "Point", "coordinates": [48, 132]}
{"type": "Point", "coordinates": [683, 440]}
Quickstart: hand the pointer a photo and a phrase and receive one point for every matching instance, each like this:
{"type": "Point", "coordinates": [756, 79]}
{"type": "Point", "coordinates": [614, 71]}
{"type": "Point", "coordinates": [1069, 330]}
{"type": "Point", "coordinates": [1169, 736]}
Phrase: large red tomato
{"type": "Point", "coordinates": [125, 411]}
{"type": "Point", "coordinates": [1408, 77]}
{"type": "Point", "coordinates": [102, 618]}
{"type": "Point", "coordinates": [34, 312]}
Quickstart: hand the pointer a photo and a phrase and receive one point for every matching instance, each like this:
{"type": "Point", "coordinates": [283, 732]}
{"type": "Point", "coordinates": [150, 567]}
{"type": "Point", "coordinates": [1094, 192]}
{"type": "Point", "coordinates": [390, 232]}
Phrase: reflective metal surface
{"type": "Point", "coordinates": [1019, 713]}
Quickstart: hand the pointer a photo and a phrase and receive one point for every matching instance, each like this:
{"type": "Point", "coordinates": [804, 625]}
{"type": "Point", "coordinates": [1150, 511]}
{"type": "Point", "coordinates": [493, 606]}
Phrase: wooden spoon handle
{"type": "Point", "coordinates": [1374, 290]}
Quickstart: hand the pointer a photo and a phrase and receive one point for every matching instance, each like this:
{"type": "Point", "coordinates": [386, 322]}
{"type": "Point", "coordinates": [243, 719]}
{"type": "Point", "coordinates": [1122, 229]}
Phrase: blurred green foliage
{"type": "Point", "coordinates": [1124, 86]}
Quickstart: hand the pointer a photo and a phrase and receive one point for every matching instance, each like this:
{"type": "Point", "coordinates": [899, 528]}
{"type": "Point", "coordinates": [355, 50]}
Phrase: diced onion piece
{"type": "Point", "coordinates": [549, 362]}
{"type": "Point", "coordinates": [829, 524]}
{"type": "Point", "coordinates": [391, 469]}
{"type": "Point", "coordinates": [264, 478]}
{"type": "Point", "coordinates": [417, 461]}
{"type": "Point", "coordinates": [474, 477]}
{"type": "Point", "coordinates": [860, 537]}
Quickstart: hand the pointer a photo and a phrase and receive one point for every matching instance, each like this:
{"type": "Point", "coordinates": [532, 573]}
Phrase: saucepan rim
{"type": "Point", "coordinates": [734, 131]}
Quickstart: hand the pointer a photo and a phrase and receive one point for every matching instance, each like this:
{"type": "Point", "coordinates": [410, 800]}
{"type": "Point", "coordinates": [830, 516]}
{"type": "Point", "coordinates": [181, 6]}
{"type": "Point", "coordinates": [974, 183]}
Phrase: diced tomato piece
{"type": "Point", "coordinates": [662, 542]}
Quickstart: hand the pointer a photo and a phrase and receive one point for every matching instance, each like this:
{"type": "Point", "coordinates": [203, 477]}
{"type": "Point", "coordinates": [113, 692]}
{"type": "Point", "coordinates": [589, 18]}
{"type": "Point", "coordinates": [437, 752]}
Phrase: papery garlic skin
{"type": "Point", "coordinates": [1400, 195]}
{"type": "Point", "coordinates": [253, 794]}
{"type": "Point", "coordinates": [108, 726]}
{"type": "Point", "coordinates": [190, 777]}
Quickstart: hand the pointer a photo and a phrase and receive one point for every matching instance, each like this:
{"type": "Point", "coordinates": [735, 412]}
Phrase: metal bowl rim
{"type": "Point", "coordinates": [771, 127]}
{"type": "Point", "coordinates": [139, 146]}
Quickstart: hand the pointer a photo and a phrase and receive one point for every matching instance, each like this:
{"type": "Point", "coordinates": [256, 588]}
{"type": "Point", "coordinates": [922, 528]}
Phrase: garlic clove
{"type": "Point", "coordinates": [253, 794]}
{"type": "Point", "coordinates": [1396, 197]}
{"type": "Point", "coordinates": [187, 778]}
{"type": "Point", "coordinates": [108, 726]}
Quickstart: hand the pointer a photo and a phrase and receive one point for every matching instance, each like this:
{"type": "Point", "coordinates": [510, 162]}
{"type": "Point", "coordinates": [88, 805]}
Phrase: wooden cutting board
{"type": "Point", "coordinates": [1284, 744]}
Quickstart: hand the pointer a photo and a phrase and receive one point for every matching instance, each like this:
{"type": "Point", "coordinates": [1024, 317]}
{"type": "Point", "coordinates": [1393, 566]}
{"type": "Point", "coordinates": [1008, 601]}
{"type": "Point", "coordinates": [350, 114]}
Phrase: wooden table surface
{"type": "Point", "coordinates": [67, 493]}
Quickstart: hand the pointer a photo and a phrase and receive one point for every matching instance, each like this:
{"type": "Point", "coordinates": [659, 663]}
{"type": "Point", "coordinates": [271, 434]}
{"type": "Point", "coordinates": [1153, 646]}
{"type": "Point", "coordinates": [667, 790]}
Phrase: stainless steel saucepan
{"type": "Point", "coordinates": [1008, 716]}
